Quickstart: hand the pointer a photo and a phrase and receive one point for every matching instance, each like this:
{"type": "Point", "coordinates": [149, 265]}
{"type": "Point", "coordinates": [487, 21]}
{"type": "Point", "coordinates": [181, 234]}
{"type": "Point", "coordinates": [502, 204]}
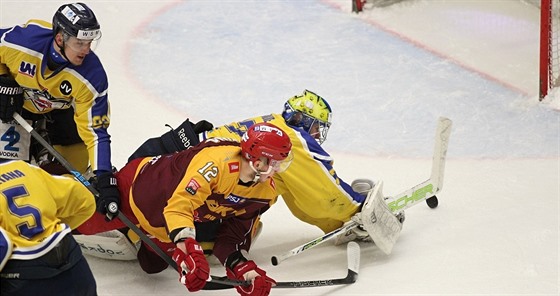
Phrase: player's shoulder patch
{"type": "Point", "coordinates": [192, 186]}
{"type": "Point", "coordinates": [233, 167]}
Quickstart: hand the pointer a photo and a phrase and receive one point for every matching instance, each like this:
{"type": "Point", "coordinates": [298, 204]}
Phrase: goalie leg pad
{"type": "Point", "coordinates": [111, 245]}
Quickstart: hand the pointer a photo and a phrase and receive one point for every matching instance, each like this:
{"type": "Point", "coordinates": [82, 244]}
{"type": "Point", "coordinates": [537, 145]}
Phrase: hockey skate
{"type": "Point", "coordinates": [356, 234]}
{"type": "Point", "coordinates": [363, 187]}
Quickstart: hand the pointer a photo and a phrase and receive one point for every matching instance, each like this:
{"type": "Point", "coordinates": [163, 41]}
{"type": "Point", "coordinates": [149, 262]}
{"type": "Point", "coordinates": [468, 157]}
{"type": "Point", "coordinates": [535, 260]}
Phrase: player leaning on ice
{"type": "Point", "coordinates": [312, 189]}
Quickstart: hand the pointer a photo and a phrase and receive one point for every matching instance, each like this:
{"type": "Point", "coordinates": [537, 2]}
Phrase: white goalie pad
{"type": "Point", "coordinates": [378, 220]}
{"type": "Point", "coordinates": [111, 245]}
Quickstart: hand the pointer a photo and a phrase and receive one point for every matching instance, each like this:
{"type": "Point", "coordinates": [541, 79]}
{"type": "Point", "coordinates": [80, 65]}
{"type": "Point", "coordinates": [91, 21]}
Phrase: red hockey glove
{"type": "Point", "coordinates": [192, 265]}
{"type": "Point", "coordinates": [249, 271]}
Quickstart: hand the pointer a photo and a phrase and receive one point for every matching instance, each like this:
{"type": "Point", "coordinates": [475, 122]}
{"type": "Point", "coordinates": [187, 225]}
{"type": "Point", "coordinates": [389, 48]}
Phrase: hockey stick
{"type": "Point", "coordinates": [353, 255]}
{"type": "Point", "coordinates": [401, 201]}
{"type": "Point", "coordinates": [214, 283]}
{"type": "Point", "coordinates": [429, 188]}
{"type": "Point", "coordinates": [353, 258]}
{"type": "Point", "coordinates": [279, 258]}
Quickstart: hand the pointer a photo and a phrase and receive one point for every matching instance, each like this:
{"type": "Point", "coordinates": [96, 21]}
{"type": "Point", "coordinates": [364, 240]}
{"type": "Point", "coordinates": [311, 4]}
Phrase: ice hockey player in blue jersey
{"type": "Point", "coordinates": [50, 75]}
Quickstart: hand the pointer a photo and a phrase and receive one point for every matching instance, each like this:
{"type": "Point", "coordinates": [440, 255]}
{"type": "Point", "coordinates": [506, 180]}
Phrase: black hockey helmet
{"type": "Point", "coordinates": [78, 20]}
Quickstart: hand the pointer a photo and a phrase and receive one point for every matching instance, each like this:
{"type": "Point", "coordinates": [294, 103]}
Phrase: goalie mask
{"type": "Point", "coordinates": [264, 140]}
{"type": "Point", "coordinates": [310, 113]}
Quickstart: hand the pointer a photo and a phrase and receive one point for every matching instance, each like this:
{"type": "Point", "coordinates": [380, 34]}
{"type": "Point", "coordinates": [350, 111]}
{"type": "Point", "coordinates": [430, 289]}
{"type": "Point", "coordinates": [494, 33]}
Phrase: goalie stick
{"type": "Point", "coordinates": [404, 200]}
{"type": "Point", "coordinates": [434, 184]}
{"type": "Point", "coordinates": [279, 258]}
{"type": "Point", "coordinates": [213, 284]}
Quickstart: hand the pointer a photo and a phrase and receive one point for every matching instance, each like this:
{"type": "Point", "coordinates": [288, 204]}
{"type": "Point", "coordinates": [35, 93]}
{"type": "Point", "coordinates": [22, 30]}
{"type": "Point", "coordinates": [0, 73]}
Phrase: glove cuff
{"type": "Point", "coordinates": [244, 267]}
{"type": "Point", "coordinates": [182, 234]}
{"type": "Point", "coordinates": [234, 259]}
{"type": "Point", "coordinates": [105, 180]}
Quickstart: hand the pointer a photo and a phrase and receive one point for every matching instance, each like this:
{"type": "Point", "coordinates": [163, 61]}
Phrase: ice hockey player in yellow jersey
{"type": "Point", "coordinates": [50, 75]}
{"type": "Point", "coordinates": [312, 189]}
{"type": "Point", "coordinates": [38, 255]}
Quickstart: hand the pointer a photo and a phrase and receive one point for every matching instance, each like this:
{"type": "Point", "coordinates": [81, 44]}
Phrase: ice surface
{"type": "Point", "coordinates": [388, 73]}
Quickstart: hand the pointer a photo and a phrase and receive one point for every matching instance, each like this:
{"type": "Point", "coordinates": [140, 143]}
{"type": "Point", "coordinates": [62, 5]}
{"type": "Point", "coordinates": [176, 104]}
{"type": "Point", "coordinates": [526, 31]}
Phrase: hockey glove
{"type": "Point", "coordinates": [11, 98]}
{"type": "Point", "coordinates": [261, 283]}
{"type": "Point", "coordinates": [202, 126]}
{"type": "Point", "coordinates": [108, 202]}
{"type": "Point", "coordinates": [193, 268]}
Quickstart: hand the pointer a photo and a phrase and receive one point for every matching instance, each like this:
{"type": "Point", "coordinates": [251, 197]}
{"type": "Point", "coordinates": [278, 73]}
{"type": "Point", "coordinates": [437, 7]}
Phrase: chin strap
{"type": "Point", "coordinates": [257, 173]}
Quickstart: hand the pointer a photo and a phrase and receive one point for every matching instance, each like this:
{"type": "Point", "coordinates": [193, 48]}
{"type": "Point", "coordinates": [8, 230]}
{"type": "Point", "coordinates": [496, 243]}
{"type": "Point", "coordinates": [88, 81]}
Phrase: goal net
{"type": "Point", "coordinates": [549, 61]}
{"type": "Point", "coordinates": [359, 5]}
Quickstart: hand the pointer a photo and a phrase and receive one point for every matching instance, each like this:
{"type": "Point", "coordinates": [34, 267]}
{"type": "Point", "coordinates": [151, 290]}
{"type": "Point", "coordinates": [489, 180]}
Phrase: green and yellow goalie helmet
{"type": "Point", "coordinates": [309, 112]}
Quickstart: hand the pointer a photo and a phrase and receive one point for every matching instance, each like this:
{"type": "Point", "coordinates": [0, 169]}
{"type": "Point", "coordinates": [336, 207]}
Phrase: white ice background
{"type": "Point", "coordinates": [388, 74]}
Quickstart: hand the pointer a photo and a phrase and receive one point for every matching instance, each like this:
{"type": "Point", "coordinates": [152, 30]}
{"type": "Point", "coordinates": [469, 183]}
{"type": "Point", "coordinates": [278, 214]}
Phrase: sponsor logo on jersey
{"type": "Point", "coordinates": [41, 104]}
{"type": "Point", "coordinates": [27, 69]}
{"type": "Point", "coordinates": [233, 167]}
{"type": "Point", "coordinates": [66, 87]}
{"type": "Point", "coordinates": [43, 101]}
{"type": "Point", "coordinates": [192, 187]}
{"type": "Point", "coordinates": [9, 155]}
{"type": "Point", "coordinates": [196, 216]}
{"type": "Point", "coordinates": [235, 199]}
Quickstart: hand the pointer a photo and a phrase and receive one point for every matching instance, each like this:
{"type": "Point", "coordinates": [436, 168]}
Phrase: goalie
{"type": "Point", "coordinates": [312, 189]}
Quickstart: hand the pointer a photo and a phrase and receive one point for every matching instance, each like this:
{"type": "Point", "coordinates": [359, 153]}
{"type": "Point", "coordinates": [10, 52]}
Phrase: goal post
{"type": "Point", "coordinates": [549, 59]}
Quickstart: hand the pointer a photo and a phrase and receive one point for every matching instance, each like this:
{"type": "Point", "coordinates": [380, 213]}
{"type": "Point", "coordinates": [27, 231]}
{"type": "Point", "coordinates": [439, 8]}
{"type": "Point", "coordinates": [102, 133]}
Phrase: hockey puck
{"type": "Point", "coordinates": [432, 202]}
{"type": "Point", "coordinates": [274, 260]}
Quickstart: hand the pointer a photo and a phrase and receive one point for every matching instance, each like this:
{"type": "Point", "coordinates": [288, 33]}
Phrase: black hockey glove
{"type": "Point", "coordinates": [181, 138]}
{"type": "Point", "coordinates": [109, 200]}
{"type": "Point", "coordinates": [202, 126]}
{"type": "Point", "coordinates": [11, 98]}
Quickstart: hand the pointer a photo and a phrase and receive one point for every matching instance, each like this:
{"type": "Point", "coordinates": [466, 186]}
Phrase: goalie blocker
{"type": "Point", "coordinates": [378, 220]}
